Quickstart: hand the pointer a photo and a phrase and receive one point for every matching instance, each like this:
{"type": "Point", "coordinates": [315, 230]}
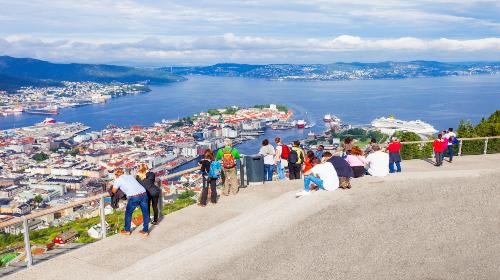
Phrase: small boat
{"type": "Point", "coordinates": [301, 124]}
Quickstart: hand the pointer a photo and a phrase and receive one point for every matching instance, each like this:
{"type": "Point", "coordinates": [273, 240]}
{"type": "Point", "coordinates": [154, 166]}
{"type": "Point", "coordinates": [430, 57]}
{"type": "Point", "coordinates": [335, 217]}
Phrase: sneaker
{"type": "Point", "coordinates": [302, 193]}
{"type": "Point", "coordinates": [143, 233]}
{"type": "Point", "coordinates": [125, 232]}
{"type": "Point", "coordinates": [154, 223]}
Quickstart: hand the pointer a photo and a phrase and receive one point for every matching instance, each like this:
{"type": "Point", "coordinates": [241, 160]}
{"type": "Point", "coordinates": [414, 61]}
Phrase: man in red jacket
{"type": "Point", "coordinates": [394, 156]}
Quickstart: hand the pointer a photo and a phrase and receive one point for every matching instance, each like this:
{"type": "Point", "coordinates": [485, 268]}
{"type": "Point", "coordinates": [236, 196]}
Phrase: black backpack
{"type": "Point", "coordinates": [293, 156]}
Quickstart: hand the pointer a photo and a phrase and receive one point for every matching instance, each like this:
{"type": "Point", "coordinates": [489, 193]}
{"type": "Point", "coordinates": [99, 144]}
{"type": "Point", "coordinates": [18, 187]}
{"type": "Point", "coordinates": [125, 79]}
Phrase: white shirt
{"type": "Point", "coordinates": [378, 164]}
{"type": "Point", "coordinates": [129, 185]}
{"type": "Point", "coordinates": [448, 135]}
{"type": "Point", "coordinates": [327, 173]}
{"type": "Point", "coordinates": [268, 153]}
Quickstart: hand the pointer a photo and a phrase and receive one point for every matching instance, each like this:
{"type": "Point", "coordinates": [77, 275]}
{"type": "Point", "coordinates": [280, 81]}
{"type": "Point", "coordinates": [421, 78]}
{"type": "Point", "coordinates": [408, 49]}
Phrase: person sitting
{"type": "Point", "coordinates": [394, 155]}
{"type": "Point", "coordinates": [357, 162]}
{"type": "Point", "coordinates": [342, 168]}
{"type": "Point", "coordinates": [136, 196]}
{"type": "Point", "coordinates": [369, 147]}
{"type": "Point", "coordinates": [322, 175]}
{"type": "Point", "coordinates": [147, 180]}
{"type": "Point", "coordinates": [377, 162]}
{"type": "Point", "coordinates": [319, 152]}
{"type": "Point", "coordinates": [347, 146]}
{"type": "Point", "coordinates": [309, 161]}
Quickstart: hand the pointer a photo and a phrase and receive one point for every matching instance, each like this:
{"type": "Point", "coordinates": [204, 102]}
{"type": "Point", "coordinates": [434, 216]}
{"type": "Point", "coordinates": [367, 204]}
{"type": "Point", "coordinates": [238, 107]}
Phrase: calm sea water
{"type": "Point", "coordinates": [442, 102]}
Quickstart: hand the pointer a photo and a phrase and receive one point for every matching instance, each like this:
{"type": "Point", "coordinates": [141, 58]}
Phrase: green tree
{"type": "Point", "coordinates": [39, 157]}
{"type": "Point", "coordinates": [413, 151]}
{"type": "Point", "coordinates": [38, 199]}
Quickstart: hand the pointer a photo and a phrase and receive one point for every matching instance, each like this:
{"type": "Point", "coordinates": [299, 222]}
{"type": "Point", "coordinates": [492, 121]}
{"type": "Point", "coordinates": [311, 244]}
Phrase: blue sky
{"type": "Point", "coordinates": [259, 31]}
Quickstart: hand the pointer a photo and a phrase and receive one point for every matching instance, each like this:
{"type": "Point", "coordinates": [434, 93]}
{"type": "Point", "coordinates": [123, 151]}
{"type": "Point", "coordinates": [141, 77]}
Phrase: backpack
{"type": "Point", "coordinates": [293, 157]}
{"type": "Point", "coordinates": [228, 159]}
{"type": "Point", "coordinates": [285, 151]}
{"type": "Point", "coordinates": [215, 170]}
{"type": "Point", "coordinates": [454, 140]}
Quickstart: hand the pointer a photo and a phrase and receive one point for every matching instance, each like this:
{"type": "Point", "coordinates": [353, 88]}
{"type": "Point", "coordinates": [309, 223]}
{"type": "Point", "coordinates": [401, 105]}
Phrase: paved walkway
{"type": "Point", "coordinates": [425, 223]}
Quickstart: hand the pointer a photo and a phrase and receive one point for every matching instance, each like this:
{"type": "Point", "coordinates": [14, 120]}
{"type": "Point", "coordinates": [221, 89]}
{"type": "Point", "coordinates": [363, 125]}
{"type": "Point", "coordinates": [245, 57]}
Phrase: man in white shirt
{"type": "Point", "coordinates": [323, 175]}
{"type": "Point", "coordinates": [450, 136]}
{"type": "Point", "coordinates": [136, 196]}
{"type": "Point", "coordinates": [267, 150]}
{"type": "Point", "coordinates": [378, 162]}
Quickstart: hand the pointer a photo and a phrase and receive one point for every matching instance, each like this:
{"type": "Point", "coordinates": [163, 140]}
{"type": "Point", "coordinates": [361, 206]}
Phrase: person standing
{"type": "Point", "coordinates": [322, 175]}
{"type": "Point", "coordinates": [394, 149]}
{"type": "Point", "coordinates": [439, 146]}
{"type": "Point", "coordinates": [452, 140]}
{"type": "Point", "coordinates": [229, 156]}
{"type": "Point", "coordinates": [377, 162]}
{"type": "Point", "coordinates": [147, 180]}
{"type": "Point", "coordinates": [281, 158]}
{"type": "Point", "coordinates": [210, 170]}
{"type": "Point", "coordinates": [136, 196]}
{"type": "Point", "coordinates": [295, 160]}
{"type": "Point", "coordinates": [267, 150]}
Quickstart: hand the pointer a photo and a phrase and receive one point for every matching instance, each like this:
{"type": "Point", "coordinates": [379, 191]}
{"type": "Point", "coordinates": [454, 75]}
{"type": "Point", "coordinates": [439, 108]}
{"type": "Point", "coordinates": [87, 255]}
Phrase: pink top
{"type": "Point", "coordinates": [356, 160]}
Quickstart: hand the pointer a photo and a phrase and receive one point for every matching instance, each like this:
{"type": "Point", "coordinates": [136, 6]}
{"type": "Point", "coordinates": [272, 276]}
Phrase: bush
{"type": "Point", "coordinates": [413, 151]}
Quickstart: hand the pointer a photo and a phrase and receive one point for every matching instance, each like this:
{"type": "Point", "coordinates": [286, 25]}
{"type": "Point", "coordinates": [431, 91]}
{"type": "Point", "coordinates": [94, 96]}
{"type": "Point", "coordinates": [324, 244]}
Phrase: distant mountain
{"type": "Point", "coordinates": [35, 70]}
{"type": "Point", "coordinates": [342, 71]}
{"type": "Point", "coordinates": [9, 83]}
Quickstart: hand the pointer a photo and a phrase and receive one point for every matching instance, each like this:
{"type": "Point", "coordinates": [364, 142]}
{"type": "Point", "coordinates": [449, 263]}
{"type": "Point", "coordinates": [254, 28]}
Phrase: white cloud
{"type": "Point", "coordinates": [231, 47]}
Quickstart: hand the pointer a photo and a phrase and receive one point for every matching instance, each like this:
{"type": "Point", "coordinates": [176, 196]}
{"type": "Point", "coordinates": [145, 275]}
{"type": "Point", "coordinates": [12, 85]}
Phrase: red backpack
{"type": "Point", "coordinates": [285, 151]}
{"type": "Point", "coordinates": [228, 160]}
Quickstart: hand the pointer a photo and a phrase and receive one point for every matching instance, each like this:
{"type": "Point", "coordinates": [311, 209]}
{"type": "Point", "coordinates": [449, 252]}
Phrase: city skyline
{"type": "Point", "coordinates": [206, 32]}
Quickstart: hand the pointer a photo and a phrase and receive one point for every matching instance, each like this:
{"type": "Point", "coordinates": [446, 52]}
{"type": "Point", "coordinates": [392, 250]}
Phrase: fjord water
{"type": "Point", "coordinates": [442, 102]}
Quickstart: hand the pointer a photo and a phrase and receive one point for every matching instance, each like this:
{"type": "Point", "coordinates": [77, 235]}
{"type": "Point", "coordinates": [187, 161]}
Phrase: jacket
{"type": "Point", "coordinates": [439, 145]}
{"type": "Point", "coordinates": [341, 166]}
{"type": "Point", "coordinates": [149, 184]}
{"type": "Point", "coordinates": [116, 197]}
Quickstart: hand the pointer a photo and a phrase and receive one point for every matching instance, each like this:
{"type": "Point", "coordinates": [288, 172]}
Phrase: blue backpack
{"type": "Point", "coordinates": [215, 170]}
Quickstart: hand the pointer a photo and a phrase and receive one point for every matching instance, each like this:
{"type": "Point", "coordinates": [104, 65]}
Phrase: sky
{"type": "Point", "coordinates": [187, 32]}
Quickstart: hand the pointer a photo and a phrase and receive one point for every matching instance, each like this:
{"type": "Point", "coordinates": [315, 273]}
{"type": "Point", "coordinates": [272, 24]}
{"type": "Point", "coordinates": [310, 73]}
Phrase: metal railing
{"type": "Point", "coordinates": [24, 219]}
{"type": "Point", "coordinates": [460, 143]}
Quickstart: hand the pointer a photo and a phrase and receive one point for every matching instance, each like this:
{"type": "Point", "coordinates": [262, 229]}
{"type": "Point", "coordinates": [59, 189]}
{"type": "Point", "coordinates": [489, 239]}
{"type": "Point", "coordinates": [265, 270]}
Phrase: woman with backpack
{"type": "Point", "coordinates": [267, 150]}
{"type": "Point", "coordinates": [210, 170]}
{"type": "Point", "coordinates": [147, 180]}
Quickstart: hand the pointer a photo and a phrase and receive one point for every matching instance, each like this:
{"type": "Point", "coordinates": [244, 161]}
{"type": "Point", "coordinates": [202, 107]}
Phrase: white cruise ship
{"type": "Point", "coordinates": [390, 125]}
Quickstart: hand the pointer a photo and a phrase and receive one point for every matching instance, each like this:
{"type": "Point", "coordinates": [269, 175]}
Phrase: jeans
{"type": "Point", "coordinates": [281, 171]}
{"type": "Point", "coordinates": [439, 158]}
{"type": "Point", "coordinates": [268, 172]}
{"type": "Point", "coordinates": [311, 178]}
{"type": "Point", "coordinates": [450, 152]}
{"type": "Point", "coordinates": [133, 202]}
{"type": "Point", "coordinates": [398, 167]}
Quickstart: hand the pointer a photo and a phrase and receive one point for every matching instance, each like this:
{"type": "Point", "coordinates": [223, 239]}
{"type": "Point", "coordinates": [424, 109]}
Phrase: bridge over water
{"type": "Point", "coordinates": [425, 223]}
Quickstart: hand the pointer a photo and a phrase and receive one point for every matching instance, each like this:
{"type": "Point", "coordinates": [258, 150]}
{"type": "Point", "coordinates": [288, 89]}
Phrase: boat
{"type": "Point", "coordinates": [391, 124]}
{"type": "Point", "coordinates": [49, 110]}
{"type": "Point", "coordinates": [327, 118]}
{"type": "Point", "coordinates": [301, 124]}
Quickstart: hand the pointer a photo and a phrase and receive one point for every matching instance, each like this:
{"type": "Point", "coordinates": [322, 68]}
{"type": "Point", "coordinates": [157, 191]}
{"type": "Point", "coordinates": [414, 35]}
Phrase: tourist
{"type": "Point", "coordinates": [319, 152]}
{"type": "Point", "coordinates": [281, 158]}
{"type": "Point", "coordinates": [342, 169]}
{"type": "Point", "coordinates": [452, 140]}
{"type": "Point", "coordinates": [357, 162]}
{"type": "Point", "coordinates": [147, 180]}
{"type": "Point", "coordinates": [136, 196]}
{"type": "Point", "coordinates": [267, 150]}
{"type": "Point", "coordinates": [347, 146]}
{"type": "Point", "coordinates": [377, 162]}
{"type": "Point", "coordinates": [229, 157]}
{"type": "Point", "coordinates": [322, 175]}
{"type": "Point", "coordinates": [295, 160]}
{"type": "Point", "coordinates": [309, 161]}
{"type": "Point", "coordinates": [439, 146]}
{"type": "Point", "coordinates": [210, 170]}
{"type": "Point", "coordinates": [368, 148]}
{"type": "Point", "coordinates": [394, 155]}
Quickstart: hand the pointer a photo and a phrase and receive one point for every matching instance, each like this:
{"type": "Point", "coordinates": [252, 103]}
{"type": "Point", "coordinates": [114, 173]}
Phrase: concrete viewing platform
{"type": "Point", "coordinates": [425, 223]}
